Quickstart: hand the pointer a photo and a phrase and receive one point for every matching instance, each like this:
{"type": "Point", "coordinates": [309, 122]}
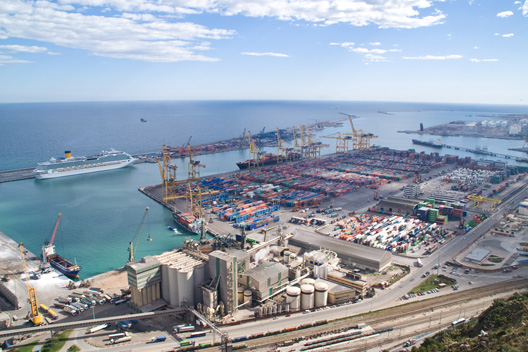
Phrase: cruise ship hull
{"type": "Point", "coordinates": [72, 166]}
{"type": "Point", "coordinates": [82, 170]}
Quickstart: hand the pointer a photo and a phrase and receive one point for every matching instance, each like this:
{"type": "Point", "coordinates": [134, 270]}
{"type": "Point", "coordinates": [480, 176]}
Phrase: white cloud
{"type": "Point", "coordinates": [509, 35]}
{"type": "Point", "coordinates": [22, 49]}
{"type": "Point", "coordinates": [6, 59]}
{"type": "Point", "coordinates": [142, 37]}
{"type": "Point", "coordinates": [369, 54]}
{"type": "Point", "coordinates": [483, 60]}
{"type": "Point", "coordinates": [433, 57]}
{"type": "Point", "coordinates": [383, 13]}
{"type": "Point", "coordinates": [524, 8]}
{"type": "Point", "coordinates": [155, 30]}
{"type": "Point", "coordinates": [475, 47]}
{"type": "Point", "coordinates": [375, 44]}
{"type": "Point", "coordinates": [505, 14]}
{"type": "Point", "coordinates": [264, 54]}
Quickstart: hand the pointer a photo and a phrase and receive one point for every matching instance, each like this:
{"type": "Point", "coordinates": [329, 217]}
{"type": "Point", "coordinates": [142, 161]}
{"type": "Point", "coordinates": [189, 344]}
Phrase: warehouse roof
{"type": "Point", "coordinates": [343, 248]}
{"type": "Point", "coordinates": [266, 269]}
{"type": "Point", "coordinates": [399, 204]}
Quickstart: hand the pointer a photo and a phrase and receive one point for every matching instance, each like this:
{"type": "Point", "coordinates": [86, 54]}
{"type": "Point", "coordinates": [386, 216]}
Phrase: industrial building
{"type": "Point", "coordinates": [349, 253]}
{"type": "Point", "coordinates": [265, 279]}
{"type": "Point", "coordinates": [398, 205]}
{"type": "Point", "coordinates": [144, 280]}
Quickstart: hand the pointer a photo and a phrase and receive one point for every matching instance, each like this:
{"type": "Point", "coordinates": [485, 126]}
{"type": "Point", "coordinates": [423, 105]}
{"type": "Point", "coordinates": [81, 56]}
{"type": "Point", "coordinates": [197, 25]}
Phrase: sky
{"type": "Point", "coordinates": [453, 51]}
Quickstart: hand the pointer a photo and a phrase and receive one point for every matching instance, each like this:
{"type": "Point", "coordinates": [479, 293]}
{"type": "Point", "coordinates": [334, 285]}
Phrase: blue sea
{"type": "Point", "coordinates": [101, 213]}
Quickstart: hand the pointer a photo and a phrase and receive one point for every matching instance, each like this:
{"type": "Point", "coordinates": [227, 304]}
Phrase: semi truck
{"type": "Point", "coordinates": [158, 339]}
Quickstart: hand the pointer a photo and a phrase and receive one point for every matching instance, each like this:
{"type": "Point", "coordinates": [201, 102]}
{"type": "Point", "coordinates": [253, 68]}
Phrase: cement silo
{"type": "Point", "coordinates": [307, 296]}
{"type": "Point", "coordinates": [321, 294]}
{"type": "Point", "coordinates": [247, 296]}
{"type": "Point", "coordinates": [186, 285]}
{"type": "Point", "coordinates": [240, 294]}
{"type": "Point", "coordinates": [199, 274]}
{"type": "Point", "coordinates": [293, 298]}
{"type": "Point", "coordinates": [308, 281]}
{"type": "Point", "coordinates": [165, 286]}
{"type": "Point", "coordinates": [173, 286]}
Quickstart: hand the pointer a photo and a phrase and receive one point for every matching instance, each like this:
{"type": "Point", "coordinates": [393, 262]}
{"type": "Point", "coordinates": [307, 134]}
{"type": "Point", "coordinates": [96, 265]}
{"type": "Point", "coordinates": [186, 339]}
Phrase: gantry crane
{"type": "Point", "coordinates": [168, 175]}
{"type": "Point", "coordinates": [132, 246]}
{"type": "Point", "coordinates": [314, 146]}
{"type": "Point", "coordinates": [360, 139]}
{"type": "Point", "coordinates": [305, 152]}
{"type": "Point", "coordinates": [285, 152]}
{"type": "Point", "coordinates": [342, 142]}
{"type": "Point", "coordinates": [255, 154]}
{"type": "Point", "coordinates": [477, 200]}
{"type": "Point", "coordinates": [36, 318]}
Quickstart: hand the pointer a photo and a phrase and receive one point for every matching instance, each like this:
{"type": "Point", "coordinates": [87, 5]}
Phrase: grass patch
{"type": "Point", "coordinates": [57, 342]}
{"type": "Point", "coordinates": [73, 348]}
{"type": "Point", "coordinates": [487, 264]}
{"type": "Point", "coordinates": [433, 281]}
{"type": "Point", "coordinates": [495, 259]}
{"type": "Point", "coordinates": [524, 243]}
{"type": "Point", "coordinates": [26, 348]}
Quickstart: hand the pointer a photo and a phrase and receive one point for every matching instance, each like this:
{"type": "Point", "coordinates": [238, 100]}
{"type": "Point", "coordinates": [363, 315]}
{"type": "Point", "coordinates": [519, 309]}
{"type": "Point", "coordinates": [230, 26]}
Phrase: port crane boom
{"type": "Point", "coordinates": [36, 318]}
{"type": "Point", "coordinates": [132, 246]}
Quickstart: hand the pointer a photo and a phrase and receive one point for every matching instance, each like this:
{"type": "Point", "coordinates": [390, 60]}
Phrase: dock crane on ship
{"type": "Point", "coordinates": [35, 317]}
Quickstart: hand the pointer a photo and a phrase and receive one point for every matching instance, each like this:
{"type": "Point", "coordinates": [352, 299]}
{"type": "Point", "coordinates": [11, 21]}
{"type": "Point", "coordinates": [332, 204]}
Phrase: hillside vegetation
{"type": "Point", "coordinates": [499, 328]}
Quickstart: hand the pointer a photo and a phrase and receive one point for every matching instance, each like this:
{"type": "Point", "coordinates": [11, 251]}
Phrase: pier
{"type": "Point", "coordinates": [487, 152]}
{"type": "Point", "coordinates": [16, 175]}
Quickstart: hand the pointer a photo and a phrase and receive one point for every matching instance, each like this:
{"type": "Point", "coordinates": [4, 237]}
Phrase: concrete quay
{"type": "Point", "coordinates": [16, 175]}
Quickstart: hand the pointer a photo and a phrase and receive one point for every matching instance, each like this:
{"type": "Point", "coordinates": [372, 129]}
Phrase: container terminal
{"type": "Point", "coordinates": [300, 236]}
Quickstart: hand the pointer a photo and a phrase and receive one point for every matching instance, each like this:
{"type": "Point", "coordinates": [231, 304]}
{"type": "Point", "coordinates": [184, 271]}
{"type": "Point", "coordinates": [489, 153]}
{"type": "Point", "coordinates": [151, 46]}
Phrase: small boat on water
{"type": "Point", "coordinates": [143, 120]}
{"type": "Point", "coordinates": [56, 261]}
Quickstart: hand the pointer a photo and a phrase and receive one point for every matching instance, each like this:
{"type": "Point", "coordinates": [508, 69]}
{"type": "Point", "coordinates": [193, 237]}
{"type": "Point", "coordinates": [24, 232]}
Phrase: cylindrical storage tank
{"type": "Point", "coordinates": [321, 294]}
{"type": "Point", "coordinates": [274, 309]}
{"type": "Point", "coordinates": [293, 298]}
{"type": "Point", "coordinates": [173, 286]}
{"type": "Point", "coordinates": [308, 281]}
{"type": "Point", "coordinates": [186, 286]}
{"type": "Point", "coordinates": [240, 294]}
{"type": "Point", "coordinates": [258, 312]}
{"type": "Point", "coordinates": [307, 297]}
{"type": "Point", "coordinates": [287, 308]}
{"type": "Point", "coordinates": [199, 274]}
{"type": "Point", "coordinates": [297, 273]}
{"type": "Point", "coordinates": [165, 286]}
{"type": "Point", "coordinates": [247, 296]}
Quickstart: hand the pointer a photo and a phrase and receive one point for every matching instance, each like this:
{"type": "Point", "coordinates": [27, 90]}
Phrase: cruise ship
{"type": "Point", "coordinates": [70, 165]}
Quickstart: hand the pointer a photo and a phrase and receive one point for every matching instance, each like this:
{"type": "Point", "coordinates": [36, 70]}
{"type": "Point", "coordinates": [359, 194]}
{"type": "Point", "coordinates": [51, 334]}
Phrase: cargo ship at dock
{"type": "Point", "coordinates": [70, 165]}
{"type": "Point", "coordinates": [433, 144]}
{"type": "Point", "coordinates": [268, 159]}
{"type": "Point", "coordinates": [188, 221]}
{"type": "Point", "coordinates": [56, 261]}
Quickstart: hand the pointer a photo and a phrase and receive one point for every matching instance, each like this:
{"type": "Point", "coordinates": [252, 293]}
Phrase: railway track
{"type": "Point", "coordinates": [382, 318]}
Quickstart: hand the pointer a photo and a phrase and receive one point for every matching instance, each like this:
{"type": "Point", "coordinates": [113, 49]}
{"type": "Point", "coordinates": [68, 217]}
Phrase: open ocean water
{"type": "Point", "coordinates": [101, 212]}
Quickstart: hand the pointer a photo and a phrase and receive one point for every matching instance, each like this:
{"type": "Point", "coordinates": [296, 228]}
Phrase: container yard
{"type": "Point", "coordinates": [390, 233]}
{"type": "Point", "coordinates": [306, 235]}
